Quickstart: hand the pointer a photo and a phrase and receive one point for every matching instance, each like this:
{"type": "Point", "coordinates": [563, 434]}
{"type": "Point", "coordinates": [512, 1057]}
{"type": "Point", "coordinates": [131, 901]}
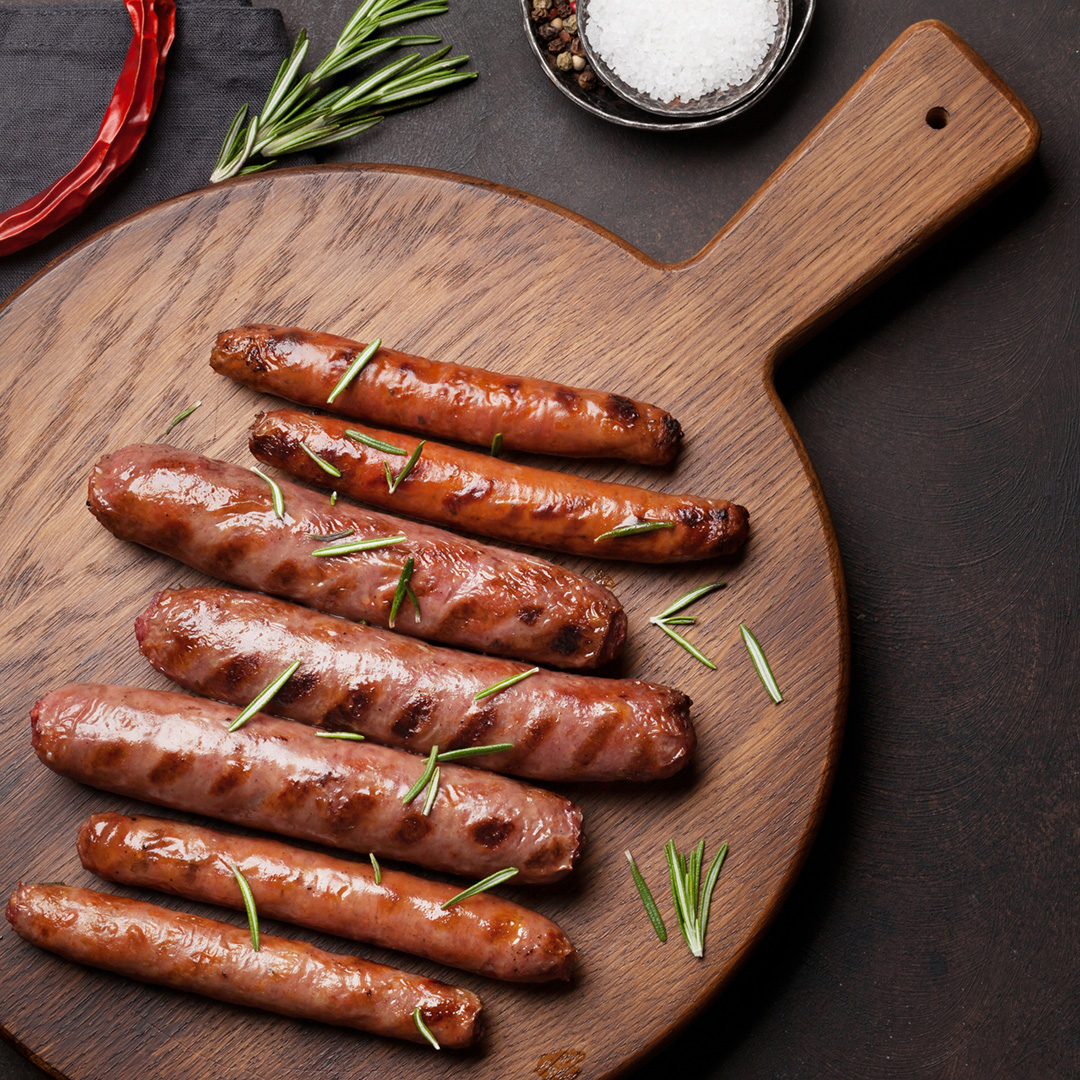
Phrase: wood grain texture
{"type": "Point", "coordinates": [112, 342]}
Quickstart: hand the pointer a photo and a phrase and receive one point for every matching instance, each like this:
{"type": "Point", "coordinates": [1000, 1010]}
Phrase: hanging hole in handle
{"type": "Point", "coordinates": [937, 117]}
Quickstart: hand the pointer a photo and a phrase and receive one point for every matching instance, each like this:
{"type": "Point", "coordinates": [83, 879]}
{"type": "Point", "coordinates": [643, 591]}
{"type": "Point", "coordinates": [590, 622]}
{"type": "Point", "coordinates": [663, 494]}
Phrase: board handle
{"type": "Point", "coordinates": [926, 135]}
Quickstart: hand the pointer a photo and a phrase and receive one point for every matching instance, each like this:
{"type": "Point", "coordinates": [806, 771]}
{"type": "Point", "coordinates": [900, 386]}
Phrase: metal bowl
{"type": "Point", "coordinates": [602, 101]}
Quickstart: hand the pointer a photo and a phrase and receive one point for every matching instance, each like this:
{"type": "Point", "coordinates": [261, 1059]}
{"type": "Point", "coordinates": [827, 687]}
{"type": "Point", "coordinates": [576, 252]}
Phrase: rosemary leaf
{"type": "Point", "coordinates": [678, 620]}
{"type": "Point", "coordinates": [760, 663]}
{"type": "Point", "coordinates": [264, 696]}
{"type": "Point", "coordinates": [647, 899]}
{"type": "Point", "coordinates": [413, 599]}
{"type": "Point", "coordinates": [402, 588]}
{"type": "Point", "coordinates": [360, 545]}
{"type": "Point", "coordinates": [181, 416]}
{"type": "Point", "coordinates": [340, 535]}
{"type": "Point", "coordinates": [275, 492]}
{"type": "Point", "coordinates": [354, 369]}
{"type": "Point", "coordinates": [355, 736]}
{"type": "Point", "coordinates": [249, 905]}
{"type": "Point", "coordinates": [498, 687]}
{"type": "Point", "coordinates": [433, 790]}
{"type": "Point", "coordinates": [375, 444]}
{"type": "Point", "coordinates": [636, 529]}
{"type": "Point", "coordinates": [692, 902]}
{"type": "Point", "coordinates": [375, 866]}
{"type": "Point", "coordinates": [474, 751]}
{"type": "Point", "coordinates": [689, 598]}
{"type": "Point", "coordinates": [496, 444]}
{"type": "Point", "coordinates": [414, 457]}
{"type": "Point", "coordinates": [481, 886]}
{"type": "Point", "coordinates": [323, 464]}
{"type": "Point", "coordinates": [333, 497]}
{"type": "Point", "coordinates": [425, 777]}
{"type": "Point", "coordinates": [693, 650]}
{"type": "Point", "coordinates": [423, 1028]}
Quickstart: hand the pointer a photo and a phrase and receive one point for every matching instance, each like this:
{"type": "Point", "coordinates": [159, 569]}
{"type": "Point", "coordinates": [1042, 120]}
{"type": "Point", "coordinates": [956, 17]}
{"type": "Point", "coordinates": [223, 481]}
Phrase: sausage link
{"type": "Point", "coordinates": [229, 644]}
{"type": "Point", "coordinates": [517, 503]}
{"type": "Point", "coordinates": [466, 404]}
{"type": "Point", "coordinates": [202, 956]}
{"type": "Point", "coordinates": [279, 776]}
{"type": "Point", "coordinates": [484, 934]}
{"type": "Point", "coordinates": [219, 518]}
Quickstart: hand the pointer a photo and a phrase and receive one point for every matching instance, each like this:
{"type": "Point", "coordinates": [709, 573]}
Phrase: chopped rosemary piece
{"type": "Point", "coordinates": [669, 617]}
{"type": "Point", "coordinates": [275, 492]}
{"type": "Point", "coordinates": [432, 791]}
{"type": "Point", "coordinates": [353, 735]}
{"type": "Point", "coordinates": [249, 905]}
{"type": "Point", "coordinates": [375, 444]}
{"type": "Point", "coordinates": [473, 751]}
{"type": "Point", "coordinates": [375, 866]}
{"type": "Point", "coordinates": [354, 369]}
{"type": "Point", "coordinates": [330, 536]}
{"type": "Point", "coordinates": [691, 901]}
{"type": "Point", "coordinates": [693, 650]}
{"type": "Point", "coordinates": [425, 776]}
{"type": "Point", "coordinates": [181, 416]}
{"type": "Point", "coordinates": [496, 444]}
{"type": "Point", "coordinates": [323, 464]}
{"type": "Point", "coordinates": [360, 545]}
{"type": "Point", "coordinates": [481, 886]}
{"type": "Point", "coordinates": [679, 620]}
{"type": "Point", "coordinates": [423, 1028]}
{"type": "Point", "coordinates": [401, 590]}
{"type": "Point", "coordinates": [413, 600]}
{"type": "Point", "coordinates": [264, 696]}
{"type": "Point", "coordinates": [500, 686]}
{"type": "Point", "coordinates": [635, 529]}
{"type": "Point", "coordinates": [647, 899]}
{"type": "Point", "coordinates": [333, 497]}
{"type": "Point", "coordinates": [393, 481]}
{"type": "Point", "coordinates": [689, 598]}
{"type": "Point", "coordinates": [762, 665]}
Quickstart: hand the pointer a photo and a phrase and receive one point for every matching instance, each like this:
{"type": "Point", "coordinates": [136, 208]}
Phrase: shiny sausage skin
{"type": "Point", "coordinates": [202, 956]}
{"type": "Point", "coordinates": [219, 518]}
{"type": "Point", "coordinates": [517, 503]}
{"type": "Point", "coordinates": [229, 644]}
{"type": "Point", "coordinates": [279, 776]}
{"type": "Point", "coordinates": [450, 401]}
{"type": "Point", "coordinates": [484, 934]}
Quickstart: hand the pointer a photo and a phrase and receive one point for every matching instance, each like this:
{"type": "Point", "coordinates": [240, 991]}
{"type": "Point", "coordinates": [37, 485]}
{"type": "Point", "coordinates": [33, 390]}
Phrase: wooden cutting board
{"type": "Point", "coordinates": [108, 344]}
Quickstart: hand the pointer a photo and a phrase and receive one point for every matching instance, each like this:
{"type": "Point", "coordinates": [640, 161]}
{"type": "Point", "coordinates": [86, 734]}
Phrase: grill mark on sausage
{"type": "Point", "coordinates": [595, 741]}
{"type": "Point", "coordinates": [170, 767]}
{"type": "Point", "coordinates": [231, 777]}
{"type": "Point", "coordinates": [535, 733]}
{"type": "Point", "coordinates": [491, 832]}
{"type": "Point", "coordinates": [623, 410]}
{"type": "Point", "coordinates": [529, 614]}
{"type": "Point", "coordinates": [473, 729]}
{"type": "Point", "coordinates": [413, 829]}
{"type": "Point", "coordinates": [238, 671]}
{"type": "Point", "coordinates": [299, 685]}
{"type": "Point", "coordinates": [568, 640]}
{"type": "Point", "coordinates": [550, 853]}
{"type": "Point", "coordinates": [478, 489]}
{"type": "Point", "coordinates": [350, 709]}
{"type": "Point", "coordinates": [347, 815]}
{"type": "Point", "coordinates": [108, 757]}
{"type": "Point", "coordinates": [672, 432]}
{"type": "Point", "coordinates": [414, 716]}
{"type": "Point", "coordinates": [273, 442]}
{"type": "Point", "coordinates": [566, 397]}
{"type": "Point", "coordinates": [176, 533]}
{"type": "Point", "coordinates": [691, 516]}
{"type": "Point", "coordinates": [228, 553]}
{"type": "Point", "coordinates": [285, 575]}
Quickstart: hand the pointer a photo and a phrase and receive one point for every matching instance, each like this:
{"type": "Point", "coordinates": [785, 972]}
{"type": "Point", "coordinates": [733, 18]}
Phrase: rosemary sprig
{"type": "Point", "coordinates": [323, 464]}
{"type": "Point", "coordinates": [275, 492]}
{"type": "Point", "coordinates": [340, 535]}
{"type": "Point", "coordinates": [689, 598]}
{"type": "Point", "coordinates": [432, 791]}
{"type": "Point", "coordinates": [404, 589]}
{"type": "Point", "coordinates": [264, 696]}
{"type": "Point", "coordinates": [354, 369]}
{"type": "Point", "coordinates": [423, 1028]}
{"type": "Point", "coordinates": [375, 444]}
{"type": "Point", "coordinates": [498, 687]}
{"type": "Point", "coordinates": [496, 444]}
{"type": "Point", "coordinates": [647, 899]}
{"type": "Point", "coordinates": [425, 777]}
{"type": "Point", "coordinates": [481, 886]}
{"type": "Point", "coordinates": [635, 529]}
{"type": "Point", "coordinates": [474, 751]}
{"type": "Point", "coordinates": [670, 617]}
{"type": "Point", "coordinates": [760, 663]}
{"type": "Point", "coordinates": [301, 113]}
{"type": "Point", "coordinates": [693, 650]}
{"type": "Point", "coordinates": [692, 902]}
{"type": "Point", "coordinates": [249, 905]}
{"type": "Point", "coordinates": [393, 481]}
{"type": "Point", "coordinates": [181, 416]}
{"type": "Point", "coordinates": [353, 735]}
{"type": "Point", "coordinates": [375, 866]}
{"type": "Point", "coordinates": [360, 545]}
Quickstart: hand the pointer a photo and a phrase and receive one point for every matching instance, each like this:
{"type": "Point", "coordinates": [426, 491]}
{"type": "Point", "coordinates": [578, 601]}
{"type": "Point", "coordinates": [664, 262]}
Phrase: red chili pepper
{"type": "Point", "coordinates": [127, 117]}
{"type": "Point", "coordinates": [573, 7]}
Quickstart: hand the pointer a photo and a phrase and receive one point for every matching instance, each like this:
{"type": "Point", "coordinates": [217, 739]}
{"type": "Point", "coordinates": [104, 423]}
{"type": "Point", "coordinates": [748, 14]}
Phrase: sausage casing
{"type": "Point", "coordinates": [279, 776]}
{"type": "Point", "coordinates": [486, 495]}
{"type": "Point", "coordinates": [215, 959]}
{"type": "Point", "coordinates": [484, 934]}
{"type": "Point", "coordinates": [452, 401]}
{"type": "Point", "coordinates": [229, 644]}
{"type": "Point", "coordinates": [220, 519]}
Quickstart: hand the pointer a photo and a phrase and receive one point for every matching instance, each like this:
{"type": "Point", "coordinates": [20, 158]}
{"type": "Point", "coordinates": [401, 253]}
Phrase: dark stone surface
{"type": "Point", "coordinates": [934, 931]}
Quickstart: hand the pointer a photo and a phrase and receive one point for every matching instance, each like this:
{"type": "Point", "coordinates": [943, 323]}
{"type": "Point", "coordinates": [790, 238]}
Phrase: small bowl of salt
{"type": "Point", "coordinates": [688, 58]}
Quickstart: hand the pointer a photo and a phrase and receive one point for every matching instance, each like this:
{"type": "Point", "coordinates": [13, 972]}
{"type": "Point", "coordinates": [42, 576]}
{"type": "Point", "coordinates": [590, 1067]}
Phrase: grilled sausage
{"type": "Point", "coordinates": [276, 775]}
{"type": "Point", "coordinates": [451, 401]}
{"type": "Point", "coordinates": [219, 518]}
{"type": "Point", "coordinates": [228, 644]}
{"type": "Point", "coordinates": [484, 934]}
{"type": "Point", "coordinates": [481, 494]}
{"type": "Point", "coordinates": [203, 956]}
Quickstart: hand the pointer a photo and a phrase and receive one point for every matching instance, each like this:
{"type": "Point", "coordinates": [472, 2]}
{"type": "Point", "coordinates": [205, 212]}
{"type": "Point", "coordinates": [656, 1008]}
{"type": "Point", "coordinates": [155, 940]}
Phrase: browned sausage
{"type": "Point", "coordinates": [482, 494]}
{"type": "Point", "coordinates": [484, 934]}
{"type": "Point", "coordinates": [229, 644]}
{"type": "Point", "coordinates": [219, 518]}
{"type": "Point", "coordinates": [466, 404]}
{"type": "Point", "coordinates": [276, 775]}
{"type": "Point", "coordinates": [203, 956]}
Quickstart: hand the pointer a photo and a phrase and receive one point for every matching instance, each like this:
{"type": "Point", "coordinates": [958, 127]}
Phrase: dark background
{"type": "Point", "coordinates": [933, 932]}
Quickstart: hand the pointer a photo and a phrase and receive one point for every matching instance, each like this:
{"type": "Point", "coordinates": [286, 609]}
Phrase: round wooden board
{"type": "Point", "coordinates": [108, 344]}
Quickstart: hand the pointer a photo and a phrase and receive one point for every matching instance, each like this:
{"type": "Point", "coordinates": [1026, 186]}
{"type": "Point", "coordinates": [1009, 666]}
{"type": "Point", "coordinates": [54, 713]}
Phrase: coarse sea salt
{"type": "Point", "coordinates": [683, 48]}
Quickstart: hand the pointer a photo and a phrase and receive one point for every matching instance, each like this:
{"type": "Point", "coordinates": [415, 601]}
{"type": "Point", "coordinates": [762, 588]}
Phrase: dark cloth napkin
{"type": "Point", "coordinates": [58, 67]}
